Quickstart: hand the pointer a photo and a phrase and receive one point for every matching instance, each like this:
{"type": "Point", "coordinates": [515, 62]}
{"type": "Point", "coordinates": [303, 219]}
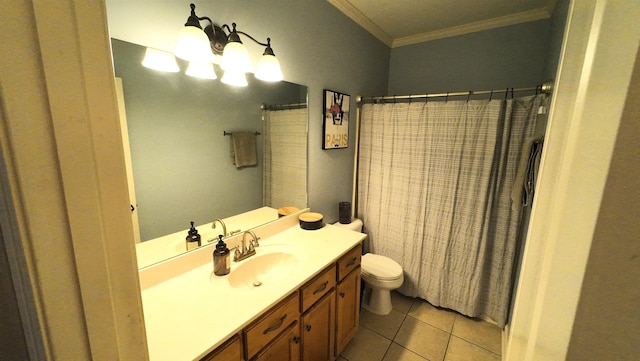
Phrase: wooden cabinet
{"type": "Point", "coordinates": [231, 350]}
{"type": "Point", "coordinates": [318, 326]}
{"type": "Point", "coordinates": [347, 309]}
{"type": "Point", "coordinates": [285, 347]}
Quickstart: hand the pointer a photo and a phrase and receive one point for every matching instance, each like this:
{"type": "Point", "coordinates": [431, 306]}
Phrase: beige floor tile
{"type": "Point", "coordinates": [481, 333]}
{"type": "Point", "coordinates": [422, 338]}
{"type": "Point", "coordinates": [366, 345]}
{"type": "Point", "coordinates": [399, 353]}
{"type": "Point", "coordinates": [438, 317]}
{"type": "Point", "coordinates": [462, 350]}
{"type": "Point", "coordinates": [387, 325]}
{"type": "Point", "coordinates": [400, 302]}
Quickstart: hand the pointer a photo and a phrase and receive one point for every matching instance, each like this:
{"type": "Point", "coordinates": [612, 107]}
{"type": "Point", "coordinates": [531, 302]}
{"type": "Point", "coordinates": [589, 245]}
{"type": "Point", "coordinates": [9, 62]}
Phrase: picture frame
{"type": "Point", "coordinates": [335, 129]}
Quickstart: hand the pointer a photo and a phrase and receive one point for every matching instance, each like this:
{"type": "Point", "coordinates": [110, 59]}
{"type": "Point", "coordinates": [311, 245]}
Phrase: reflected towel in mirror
{"type": "Point", "coordinates": [243, 149]}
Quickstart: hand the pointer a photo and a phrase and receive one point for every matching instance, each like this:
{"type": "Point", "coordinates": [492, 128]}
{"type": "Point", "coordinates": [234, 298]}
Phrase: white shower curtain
{"type": "Point", "coordinates": [434, 187]}
{"type": "Point", "coordinates": [285, 158]}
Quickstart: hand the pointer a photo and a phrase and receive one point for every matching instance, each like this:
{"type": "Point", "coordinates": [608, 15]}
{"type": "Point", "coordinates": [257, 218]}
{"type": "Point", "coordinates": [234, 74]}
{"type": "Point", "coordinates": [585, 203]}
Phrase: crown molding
{"type": "Point", "coordinates": [356, 15]}
{"type": "Point", "coordinates": [513, 19]}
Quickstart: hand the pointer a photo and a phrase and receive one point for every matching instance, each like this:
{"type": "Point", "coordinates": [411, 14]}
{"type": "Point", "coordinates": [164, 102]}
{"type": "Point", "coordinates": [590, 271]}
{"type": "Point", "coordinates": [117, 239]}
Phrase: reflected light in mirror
{"type": "Point", "coordinates": [201, 70]}
{"type": "Point", "coordinates": [160, 60]}
{"type": "Point", "coordinates": [235, 78]}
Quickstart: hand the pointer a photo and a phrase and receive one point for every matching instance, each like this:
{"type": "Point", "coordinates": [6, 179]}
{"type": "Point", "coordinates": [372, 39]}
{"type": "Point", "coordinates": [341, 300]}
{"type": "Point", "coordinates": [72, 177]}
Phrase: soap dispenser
{"type": "Point", "coordinates": [221, 261]}
{"type": "Point", "coordinates": [193, 238]}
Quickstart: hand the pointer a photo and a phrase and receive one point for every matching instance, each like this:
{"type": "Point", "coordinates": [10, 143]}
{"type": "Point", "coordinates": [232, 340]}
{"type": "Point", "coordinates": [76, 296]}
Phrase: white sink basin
{"type": "Point", "coordinates": [263, 270]}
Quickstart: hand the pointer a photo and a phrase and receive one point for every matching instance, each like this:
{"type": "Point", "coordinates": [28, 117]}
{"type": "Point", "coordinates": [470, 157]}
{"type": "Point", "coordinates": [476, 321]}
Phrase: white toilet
{"type": "Point", "coordinates": [380, 275]}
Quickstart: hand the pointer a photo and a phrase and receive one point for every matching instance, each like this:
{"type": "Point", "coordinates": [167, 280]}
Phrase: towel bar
{"type": "Point", "coordinates": [224, 132]}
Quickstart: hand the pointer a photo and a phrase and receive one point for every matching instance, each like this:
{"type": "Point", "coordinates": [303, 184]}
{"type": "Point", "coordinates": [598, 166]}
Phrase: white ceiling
{"type": "Point", "coordinates": [404, 22]}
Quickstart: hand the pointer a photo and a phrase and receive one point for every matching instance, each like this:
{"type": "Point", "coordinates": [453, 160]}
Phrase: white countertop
{"type": "Point", "coordinates": [193, 312]}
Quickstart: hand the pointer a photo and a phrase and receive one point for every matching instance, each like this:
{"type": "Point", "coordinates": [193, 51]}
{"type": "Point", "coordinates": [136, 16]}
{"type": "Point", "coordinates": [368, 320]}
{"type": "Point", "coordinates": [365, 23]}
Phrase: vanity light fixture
{"type": "Point", "coordinates": [213, 45]}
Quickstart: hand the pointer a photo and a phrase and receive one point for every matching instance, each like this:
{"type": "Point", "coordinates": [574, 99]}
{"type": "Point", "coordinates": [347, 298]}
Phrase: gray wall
{"type": "Point", "coordinates": [510, 56]}
{"type": "Point", "coordinates": [181, 160]}
{"type": "Point", "coordinates": [317, 46]}
{"type": "Point", "coordinates": [556, 35]}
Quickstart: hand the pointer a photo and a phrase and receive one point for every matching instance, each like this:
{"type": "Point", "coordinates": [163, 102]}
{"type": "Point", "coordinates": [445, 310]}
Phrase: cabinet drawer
{"type": "Point", "coordinates": [271, 324]}
{"type": "Point", "coordinates": [349, 261]}
{"type": "Point", "coordinates": [317, 287]}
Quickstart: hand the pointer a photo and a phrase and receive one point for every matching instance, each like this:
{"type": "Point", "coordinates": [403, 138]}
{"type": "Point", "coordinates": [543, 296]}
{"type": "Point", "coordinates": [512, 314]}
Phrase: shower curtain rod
{"type": "Point", "coordinates": [545, 87]}
{"type": "Point", "coordinates": [283, 106]}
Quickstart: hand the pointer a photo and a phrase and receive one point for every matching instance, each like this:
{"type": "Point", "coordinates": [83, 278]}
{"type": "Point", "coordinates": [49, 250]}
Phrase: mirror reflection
{"type": "Point", "coordinates": [180, 150]}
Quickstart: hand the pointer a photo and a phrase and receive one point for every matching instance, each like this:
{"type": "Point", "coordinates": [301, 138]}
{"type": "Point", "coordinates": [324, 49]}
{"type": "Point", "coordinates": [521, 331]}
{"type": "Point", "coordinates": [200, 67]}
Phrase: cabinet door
{"type": "Point", "coordinates": [318, 327]}
{"type": "Point", "coordinates": [285, 347]}
{"type": "Point", "coordinates": [347, 309]}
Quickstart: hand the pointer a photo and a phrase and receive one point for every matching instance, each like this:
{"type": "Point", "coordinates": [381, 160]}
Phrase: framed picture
{"type": "Point", "coordinates": [336, 120]}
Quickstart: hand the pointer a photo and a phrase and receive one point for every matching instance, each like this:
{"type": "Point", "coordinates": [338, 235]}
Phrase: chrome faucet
{"type": "Point", "coordinates": [243, 251]}
{"type": "Point", "coordinates": [224, 228]}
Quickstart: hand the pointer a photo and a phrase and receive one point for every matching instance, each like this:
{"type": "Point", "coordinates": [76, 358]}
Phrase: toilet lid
{"type": "Point", "coordinates": [380, 267]}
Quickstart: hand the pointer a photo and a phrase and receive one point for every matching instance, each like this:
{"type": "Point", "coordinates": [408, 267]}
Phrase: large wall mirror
{"type": "Point", "coordinates": [183, 170]}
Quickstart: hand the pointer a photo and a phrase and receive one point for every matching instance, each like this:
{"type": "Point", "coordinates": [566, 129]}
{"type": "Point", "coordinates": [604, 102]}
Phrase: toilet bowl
{"type": "Point", "coordinates": [380, 275]}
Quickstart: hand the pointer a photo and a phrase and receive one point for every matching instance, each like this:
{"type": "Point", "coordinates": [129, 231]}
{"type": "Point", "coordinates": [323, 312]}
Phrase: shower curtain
{"type": "Point", "coordinates": [434, 192]}
{"type": "Point", "coordinates": [285, 158]}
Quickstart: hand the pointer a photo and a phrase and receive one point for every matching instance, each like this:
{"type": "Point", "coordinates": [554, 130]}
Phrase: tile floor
{"type": "Point", "coordinates": [417, 331]}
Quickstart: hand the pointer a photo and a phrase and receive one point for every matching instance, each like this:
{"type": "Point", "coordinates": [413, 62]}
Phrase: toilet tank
{"type": "Point", "coordinates": [355, 225]}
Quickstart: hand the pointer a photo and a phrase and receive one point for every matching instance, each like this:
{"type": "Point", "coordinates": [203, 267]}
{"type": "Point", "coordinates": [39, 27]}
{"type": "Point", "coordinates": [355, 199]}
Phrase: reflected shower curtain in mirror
{"type": "Point", "coordinates": [434, 187]}
{"type": "Point", "coordinates": [285, 158]}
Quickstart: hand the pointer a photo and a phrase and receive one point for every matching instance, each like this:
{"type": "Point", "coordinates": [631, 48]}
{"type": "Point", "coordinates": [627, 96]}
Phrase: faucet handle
{"type": "Point", "coordinates": [255, 242]}
{"type": "Point", "coordinates": [236, 253]}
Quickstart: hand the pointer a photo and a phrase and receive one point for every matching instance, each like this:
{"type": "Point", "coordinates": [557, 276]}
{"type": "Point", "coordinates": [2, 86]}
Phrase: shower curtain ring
{"type": "Point", "coordinates": [469, 95]}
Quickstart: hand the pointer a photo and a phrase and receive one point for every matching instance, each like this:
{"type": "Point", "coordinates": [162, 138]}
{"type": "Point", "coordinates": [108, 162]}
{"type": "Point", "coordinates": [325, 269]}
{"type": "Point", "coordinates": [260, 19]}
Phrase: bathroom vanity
{"type": "Point", "coordinates": [296, 299]}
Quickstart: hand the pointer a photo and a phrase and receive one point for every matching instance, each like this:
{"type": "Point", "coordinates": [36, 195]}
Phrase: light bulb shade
{"type": "Point", "coordinates": [193, 45]}
{"type": "Point", "coordinates": [234, 77]}
{"type": "Point", "coordinates": [269, 69]}
{"type": "Point", "coordinates": [236, 58]}
{"type": "Point", "coordinates": [201, 70]}
{"type": "Point", "coordinates": [160, 60]}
